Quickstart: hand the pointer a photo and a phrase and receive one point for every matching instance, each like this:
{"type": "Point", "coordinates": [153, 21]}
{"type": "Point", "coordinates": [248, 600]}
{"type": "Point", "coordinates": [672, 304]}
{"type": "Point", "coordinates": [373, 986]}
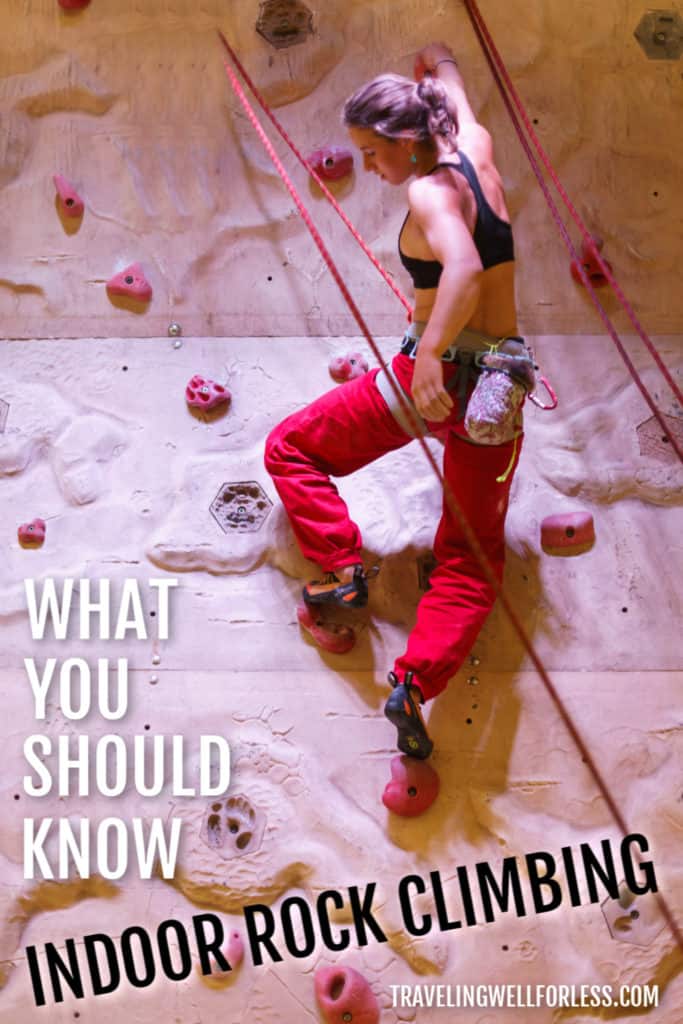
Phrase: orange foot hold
{"type": "Point", "coordinates": [330, 636]}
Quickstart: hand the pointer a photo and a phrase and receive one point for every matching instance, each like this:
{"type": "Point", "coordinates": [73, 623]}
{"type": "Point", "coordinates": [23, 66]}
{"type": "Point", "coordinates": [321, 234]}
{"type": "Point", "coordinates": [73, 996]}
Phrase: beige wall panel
{"type": "Point", "coordinates": [131, 102]}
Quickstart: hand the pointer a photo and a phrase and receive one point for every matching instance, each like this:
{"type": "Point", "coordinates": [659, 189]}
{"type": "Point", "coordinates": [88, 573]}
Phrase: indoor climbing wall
{"type": "Point", "coordinates": [163, 308]}
{"type": "Point", "coordinates": [131, 105]}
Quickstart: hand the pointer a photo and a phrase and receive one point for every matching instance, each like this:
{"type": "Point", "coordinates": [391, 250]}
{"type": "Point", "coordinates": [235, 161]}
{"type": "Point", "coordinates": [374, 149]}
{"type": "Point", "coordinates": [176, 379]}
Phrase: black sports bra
{"type": "Point", "coordinates": [492, 236]}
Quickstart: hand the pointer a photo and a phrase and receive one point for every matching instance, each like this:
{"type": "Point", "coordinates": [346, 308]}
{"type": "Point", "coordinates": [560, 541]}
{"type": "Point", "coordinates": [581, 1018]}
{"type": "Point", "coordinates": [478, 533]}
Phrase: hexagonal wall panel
{"type": "Point", "coordinates": [284, 22]}
{"type": "Point", "coordinates": [656, 444]}
{"type": "Point", "coordinates": [241, 506]}
{"type": "Point", "coordinates": [660, 34]}
{"type": "Point", "coordinates": [633, 919]}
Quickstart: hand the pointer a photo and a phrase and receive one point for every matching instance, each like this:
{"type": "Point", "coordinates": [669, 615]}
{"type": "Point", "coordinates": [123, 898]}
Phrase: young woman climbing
{"type": "Point", "coordinates": [456, 244]}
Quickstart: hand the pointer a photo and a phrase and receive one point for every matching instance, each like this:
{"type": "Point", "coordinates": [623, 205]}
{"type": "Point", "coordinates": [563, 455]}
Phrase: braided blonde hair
{"type": "Point", "coordinates": [397, 108]}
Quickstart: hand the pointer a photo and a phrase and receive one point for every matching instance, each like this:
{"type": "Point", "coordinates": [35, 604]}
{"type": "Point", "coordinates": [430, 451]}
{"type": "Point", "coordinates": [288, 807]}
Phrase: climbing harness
{"type": "Point", "coordinates": [509, 96]}
{"type": "Point", "coordinates": [399, 403]}
{"type": "Point", "coordinates": [502, 372]}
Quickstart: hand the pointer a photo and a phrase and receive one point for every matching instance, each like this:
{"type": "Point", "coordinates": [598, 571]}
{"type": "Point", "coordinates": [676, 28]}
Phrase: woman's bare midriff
{"type": "Point", "coordinates": [496, 313]}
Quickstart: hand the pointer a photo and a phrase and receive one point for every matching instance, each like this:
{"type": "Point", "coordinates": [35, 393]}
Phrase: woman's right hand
{"type": "Point", "coordinates": [429, 56]}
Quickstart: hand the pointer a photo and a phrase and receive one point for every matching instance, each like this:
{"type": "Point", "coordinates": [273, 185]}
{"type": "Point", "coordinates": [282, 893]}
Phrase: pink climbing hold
{"type": "Point", "coordinates": [413, 788]}
{"type": "Point", "coordinates": [348, 367]}
{"type": "Point", "coordinates": [589, 261]}
{"type": "Point", "coordinates": [233, 951]}
{"type": "Point", "coordinates": [332, 637]}
{"type": "Point", "coordinates": [331, 163]}
{"type": "Point", "coordinates": [131, 283]}
{"type": "Point", "coordinates": [70, 202]}
{"type": "Point", "coordinates": [344, 995]}
{"type": "Point", "coordinates": [73, 5]}
{"type": "Point", "coordinates": [205, 394]}
{"type": "Point", "coordinates": [32, 535]}
{"type": "Point", "coordinates": [568, 533]}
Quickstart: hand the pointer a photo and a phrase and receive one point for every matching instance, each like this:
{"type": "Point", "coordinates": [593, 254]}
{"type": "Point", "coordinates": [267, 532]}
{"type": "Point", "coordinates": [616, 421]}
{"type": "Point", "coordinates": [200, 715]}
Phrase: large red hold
{"type": "Point", "coordinates": [330, 636]}
{"type": "Point", "coordinates": [589, 261]}
{"type": "Point", "coordinates": [73, 5]}
{"type": "Point", "coordinates": [131, 283]}
{"type": "Point", "coordinates": [348, 367]}
{"type": "Point", "coordinates": [331, 163]}
{"type": "Point", "coordinates": [413, 788]}
{"type": "Point", "coordinates": [205, 394]}
{"type": "Point", "coordinates": [70, 202]}
{"type": "Point", "coordinates": [568, 533]}
{"type": "Point", "coordinates": [344, 995]}
{"type": "Point", "coordinates": [32, 535]}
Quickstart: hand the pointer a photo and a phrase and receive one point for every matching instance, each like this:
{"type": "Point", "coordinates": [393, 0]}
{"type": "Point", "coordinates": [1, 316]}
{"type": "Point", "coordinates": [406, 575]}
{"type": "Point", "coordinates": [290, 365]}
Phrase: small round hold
{"type": "Point", "coordinates": [177, 343]}
{"type": "Point", "coordinates": [568, 533]}
{"type": "Point", "coordinates": [174, 330]}
{"type": "Point", "coordinates": [472, 681]}
{"type": "Point", "coordinates": [154, 679]}
{"type": "Point", "coordinates": [32, 535]}
{"type": "Point", "coordinates": [156, 659]}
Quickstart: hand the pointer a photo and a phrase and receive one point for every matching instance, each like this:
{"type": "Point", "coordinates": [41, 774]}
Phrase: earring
{"type": "Point", "coordinates": [413, 158]}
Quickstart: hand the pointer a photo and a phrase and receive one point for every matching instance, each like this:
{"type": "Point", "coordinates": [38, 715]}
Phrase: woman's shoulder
{"type": "Point", "coordinates": [476, 142]}
{"type": "Point", "coordinates": [436, 194]}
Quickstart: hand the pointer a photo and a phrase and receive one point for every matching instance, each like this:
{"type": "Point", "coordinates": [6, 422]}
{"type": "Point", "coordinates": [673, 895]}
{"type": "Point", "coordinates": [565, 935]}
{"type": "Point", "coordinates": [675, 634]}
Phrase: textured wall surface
{"type": "Point", "coordinates": [108, 453]}
{"type": "Point", "coordinates": [130, 102]}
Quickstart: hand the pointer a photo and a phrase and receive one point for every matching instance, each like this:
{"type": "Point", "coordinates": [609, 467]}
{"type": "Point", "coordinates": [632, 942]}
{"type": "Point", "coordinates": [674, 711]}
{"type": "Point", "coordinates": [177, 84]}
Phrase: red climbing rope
{"type": "Point", "coordinates": [507, 90]}
{"type": "Point", "coordinates": [316, 177]}
{"type": "Point", "coordinates": [450, 498]}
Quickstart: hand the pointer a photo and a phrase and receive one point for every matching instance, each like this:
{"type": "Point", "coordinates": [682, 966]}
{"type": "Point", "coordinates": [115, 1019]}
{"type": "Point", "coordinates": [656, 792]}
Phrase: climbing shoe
{"type": "Point", "coordinates": [330, 590]}
{"type": "Point", "coordinates": [403, 710]}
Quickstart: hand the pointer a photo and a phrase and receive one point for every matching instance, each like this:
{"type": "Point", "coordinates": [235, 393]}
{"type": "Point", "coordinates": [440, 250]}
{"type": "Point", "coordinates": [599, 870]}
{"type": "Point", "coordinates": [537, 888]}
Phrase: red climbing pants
{"type": "Point", "coordinates": [351, 426]}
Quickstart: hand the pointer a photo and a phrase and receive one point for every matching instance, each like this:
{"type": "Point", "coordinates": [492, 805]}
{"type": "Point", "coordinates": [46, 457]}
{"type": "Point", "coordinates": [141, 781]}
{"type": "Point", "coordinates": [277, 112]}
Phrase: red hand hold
{"type": "Point", "coordinates": [32, 535]}
{"type": "Point", "coordinates": [344, 995]}
{"type": "Point", "coordinates": [73, 5]}
{"type": "Point", "coordinates": [131, 283]}
{"type": "Point", "coordinates": [70, 202]}
{"type": "Point", "coordinates": [590, 264]}
{"type": "Point", "coordinates": [331, 163]}
{"type": "Point", "coordinates": [570, 533]}
{"type": "Point", "coordinates": [205, 394]}
{"type": "Point", "coordinates": [413, 788]}
{"type": "Point", "coordinates": [348, 367]}
{"type": "Point", "coordinates": [332, 637]}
